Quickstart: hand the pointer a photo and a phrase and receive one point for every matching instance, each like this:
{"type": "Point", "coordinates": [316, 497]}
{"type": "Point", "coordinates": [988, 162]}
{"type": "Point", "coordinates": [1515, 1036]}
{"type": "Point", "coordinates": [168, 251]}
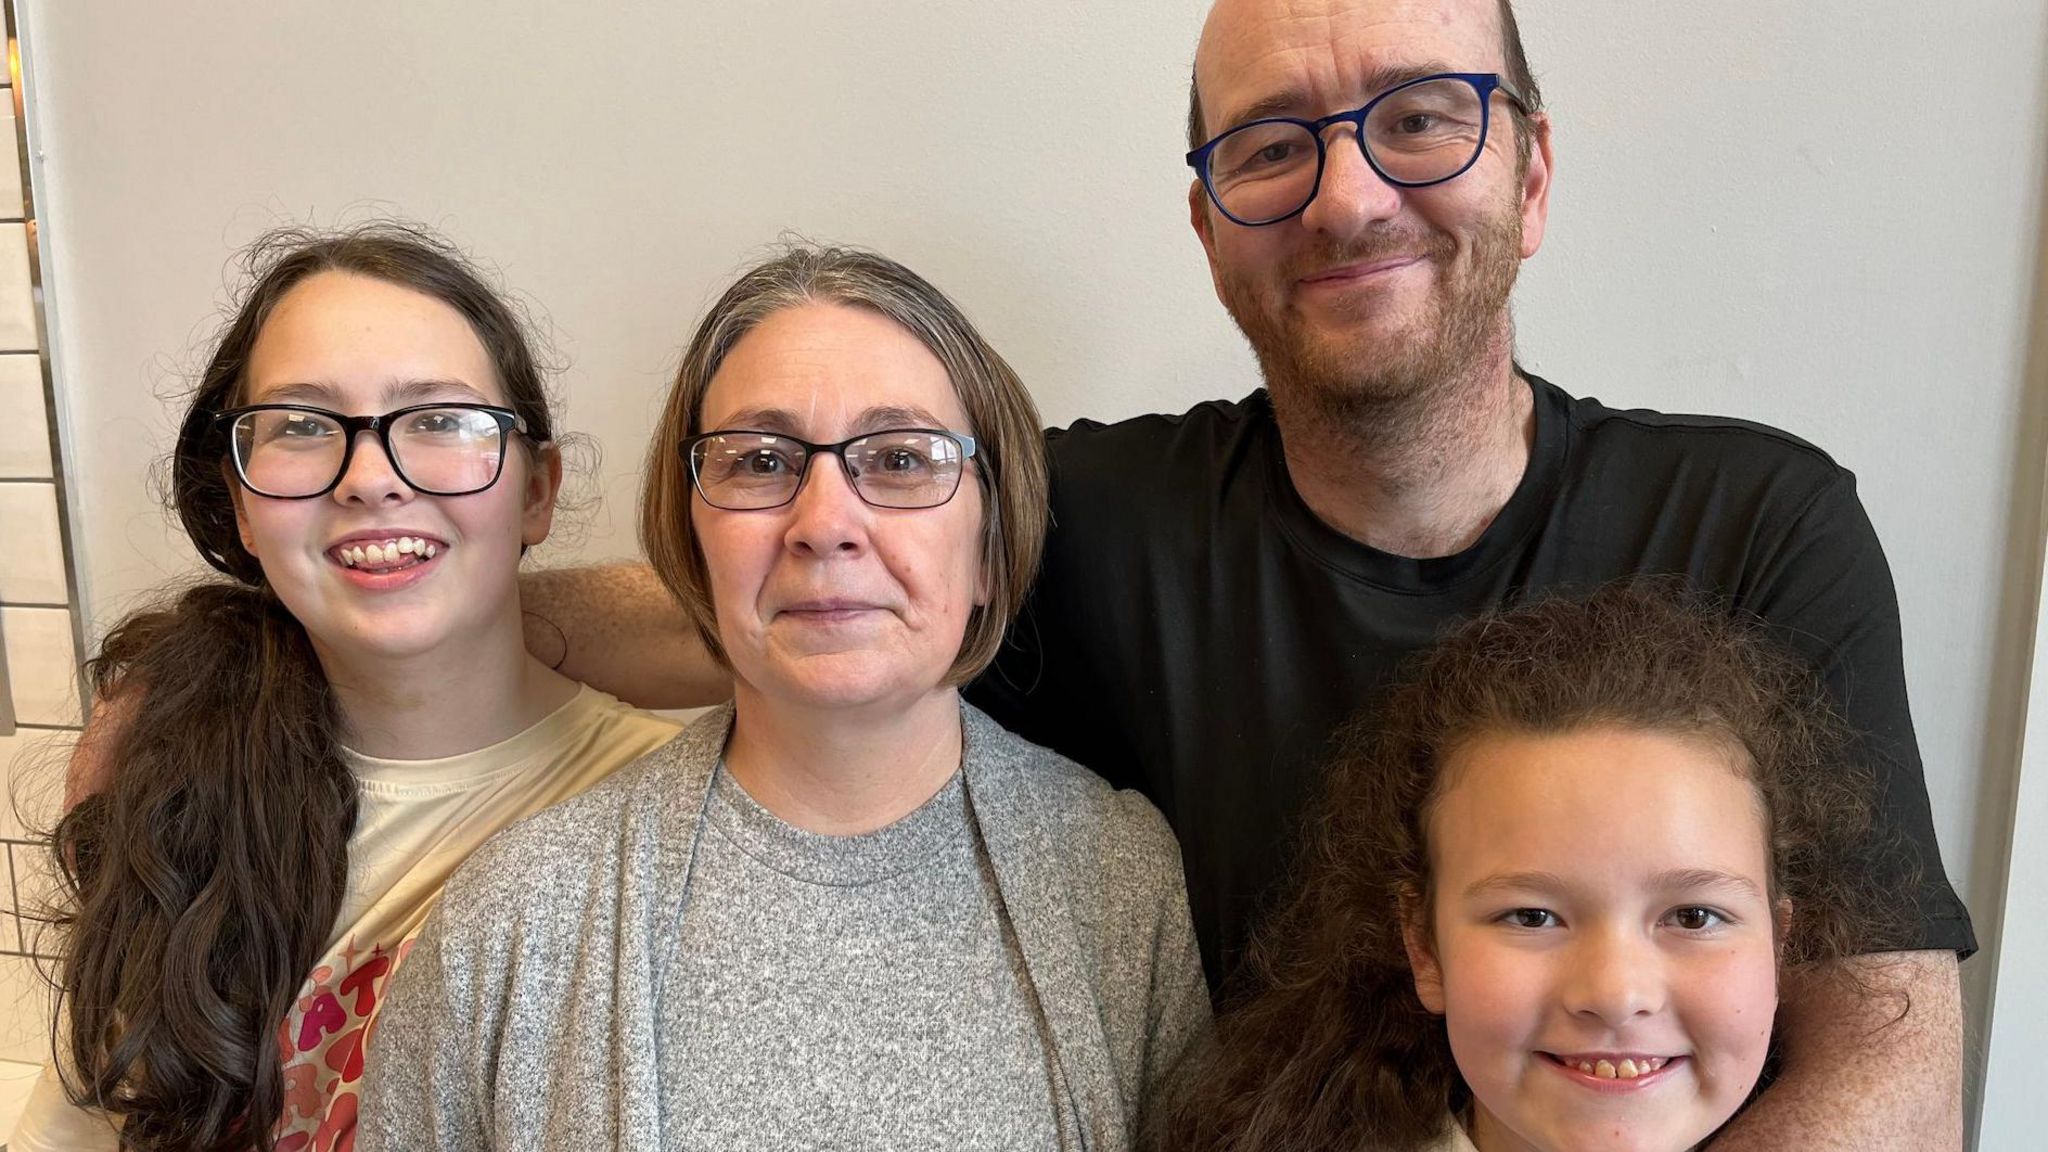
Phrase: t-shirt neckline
{"type": "Point", "coordinates": [838, 861]}
{"type": "Point", "coordinates": [1424, 576]}
{"type": "Point", "coordinates": [467, 769]}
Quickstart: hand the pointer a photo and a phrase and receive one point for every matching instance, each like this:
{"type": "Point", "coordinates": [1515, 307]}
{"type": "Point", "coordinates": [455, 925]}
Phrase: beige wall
{"type": "Point", "coordinates": [1822, 215]}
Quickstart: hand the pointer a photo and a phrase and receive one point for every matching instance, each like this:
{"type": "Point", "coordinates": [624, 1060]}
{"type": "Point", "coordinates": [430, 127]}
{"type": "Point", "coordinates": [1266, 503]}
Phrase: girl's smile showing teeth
{"type": "Point", "coordinates": [373, 555]}
{"type": "Point", "coordinates": [1612, 1070]}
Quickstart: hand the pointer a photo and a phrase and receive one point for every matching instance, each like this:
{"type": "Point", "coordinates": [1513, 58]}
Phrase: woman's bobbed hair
{"type": "Point", "coordinates": [1009, 462]}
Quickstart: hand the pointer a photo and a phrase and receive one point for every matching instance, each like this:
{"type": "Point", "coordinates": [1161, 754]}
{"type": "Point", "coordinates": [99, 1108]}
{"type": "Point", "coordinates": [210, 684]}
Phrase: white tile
{"type": "Point", "coordinates": [24, 423]}
{"type": "Point", "coordinates": [32, 765]}
{"type": "Point", "coordinates": [37, 893]}
{"type": "Point", "coordinates": [17, 298]}
{"type": "Point", "coordinates": [10, 165]}
{"type": "Point", "coordinates": [42, 665]}
{"type": "Point", "coordinates": [25, 1002]}
{"type": "Point", "coordinates": [32, 562]}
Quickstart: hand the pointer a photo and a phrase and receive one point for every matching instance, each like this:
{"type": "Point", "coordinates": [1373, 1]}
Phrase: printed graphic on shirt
{"type": "Point", "coordinates": [322, 1041]}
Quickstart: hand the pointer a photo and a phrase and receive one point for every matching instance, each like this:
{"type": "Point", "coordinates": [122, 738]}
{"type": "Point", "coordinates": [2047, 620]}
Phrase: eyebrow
{"type": "Point", "coordinates": [1678, 879]}
{"type": "Point", "coordinates": [883, 416]}
{"type": "Point", "coordinates": [1292, 100]}
{"type": "Point", "coordinates": [1672, 880]}
{"type": "Point", "coordinates": [1515, 882]}
{"type": "Point", "coordinates": [401, 393]}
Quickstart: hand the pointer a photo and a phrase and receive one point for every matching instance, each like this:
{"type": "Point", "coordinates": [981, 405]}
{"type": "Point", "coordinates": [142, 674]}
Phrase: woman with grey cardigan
{"type": "Point", "coordinates": [846, 910]}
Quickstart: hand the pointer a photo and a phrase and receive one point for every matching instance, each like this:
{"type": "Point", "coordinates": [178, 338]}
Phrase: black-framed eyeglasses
{"type": "Point", "coordinates": [297, 452]}
{"type": "Point", "coordinates": [1418, 133]}
{"type": "Point", "coordinates": [744, 471]}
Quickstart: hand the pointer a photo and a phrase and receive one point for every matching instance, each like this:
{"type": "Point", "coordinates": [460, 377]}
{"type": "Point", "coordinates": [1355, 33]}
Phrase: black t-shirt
{"type": "Point", "coordinates": [1197, 633]}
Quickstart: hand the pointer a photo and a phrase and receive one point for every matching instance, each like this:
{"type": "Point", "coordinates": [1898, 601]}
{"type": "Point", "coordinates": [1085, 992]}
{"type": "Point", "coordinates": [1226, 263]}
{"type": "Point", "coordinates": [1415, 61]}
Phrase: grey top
{"type": "Point", "coordinates": [537, 1009]}
{"type": "Point", "coordinates": [817, 974]}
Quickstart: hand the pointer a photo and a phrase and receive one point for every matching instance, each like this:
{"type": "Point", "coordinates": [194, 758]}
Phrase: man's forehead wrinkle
{"type": "Point", "coordinates": [1254, 51]}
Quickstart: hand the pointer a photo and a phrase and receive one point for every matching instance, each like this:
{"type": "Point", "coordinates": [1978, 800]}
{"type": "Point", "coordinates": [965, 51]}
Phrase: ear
{"type": "Point", "coordinates": [543, 484]}
{"type": "Point", "coordinates": [1422, 959]}
{"type": "Point", "coordinates": [1205, 229]}
{"type": "Point", "coordinates": [236, 494]}
{"type": "Point", "coordinates": [1536, 185]}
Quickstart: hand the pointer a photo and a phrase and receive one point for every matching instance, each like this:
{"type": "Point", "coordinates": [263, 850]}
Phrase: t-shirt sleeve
{"type": "Point", "coordinates": [1827, 590]}
{"type": "Point", "coordinates": [421, 1090]}
{"type": "Point", "coordinates": [50, 1122]}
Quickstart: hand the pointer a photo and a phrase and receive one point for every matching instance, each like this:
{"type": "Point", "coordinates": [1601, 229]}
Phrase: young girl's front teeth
{"type": "Point", "coordinates": [387, 552]}
{"type": "Point", "coordinates": [1625, 1070]}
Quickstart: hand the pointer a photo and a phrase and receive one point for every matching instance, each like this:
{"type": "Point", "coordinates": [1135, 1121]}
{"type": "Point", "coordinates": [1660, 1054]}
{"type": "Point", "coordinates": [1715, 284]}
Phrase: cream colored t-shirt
{"type": "Point", "coordinates": [418, 820]}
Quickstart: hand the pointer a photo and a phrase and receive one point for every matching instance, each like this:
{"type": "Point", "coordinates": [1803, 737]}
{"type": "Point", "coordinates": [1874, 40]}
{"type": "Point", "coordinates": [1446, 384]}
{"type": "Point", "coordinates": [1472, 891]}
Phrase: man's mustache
{"type": "Point", "coordinates": [1367, 249]}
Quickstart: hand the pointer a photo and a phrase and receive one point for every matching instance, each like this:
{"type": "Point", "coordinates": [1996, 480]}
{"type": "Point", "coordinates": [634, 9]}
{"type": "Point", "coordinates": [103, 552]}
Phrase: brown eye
{"type": "Point", "coordinates": [1695, 919]}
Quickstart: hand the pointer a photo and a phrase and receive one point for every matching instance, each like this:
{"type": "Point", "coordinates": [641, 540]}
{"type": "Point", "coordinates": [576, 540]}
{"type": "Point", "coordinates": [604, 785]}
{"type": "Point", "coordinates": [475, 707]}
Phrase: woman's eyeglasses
{"type": "Point", "coordinates": [742, 471]}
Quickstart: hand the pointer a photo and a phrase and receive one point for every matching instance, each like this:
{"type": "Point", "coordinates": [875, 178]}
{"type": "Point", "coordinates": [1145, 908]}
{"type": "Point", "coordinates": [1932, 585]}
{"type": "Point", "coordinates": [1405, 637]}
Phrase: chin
{"type": "Point", "coordinates": [844, 680]}
{"type": "Point", "coordinates": [1663, 1132]}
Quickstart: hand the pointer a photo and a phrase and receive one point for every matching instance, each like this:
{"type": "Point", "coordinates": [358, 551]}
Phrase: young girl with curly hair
{"type": "Point", "coordinates": [1550, 895]}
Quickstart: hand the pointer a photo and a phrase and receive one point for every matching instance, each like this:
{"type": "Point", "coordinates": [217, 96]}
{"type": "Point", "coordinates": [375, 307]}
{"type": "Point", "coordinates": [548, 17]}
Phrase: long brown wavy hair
{"type": "Point", "coordinates": [1325, 1045]}
{"type": "Point", "coordinates": [203, 874]}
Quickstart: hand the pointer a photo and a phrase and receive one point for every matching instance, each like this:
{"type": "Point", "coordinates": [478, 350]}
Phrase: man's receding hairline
{"type": "Point", "coordinates": [1510, 49]}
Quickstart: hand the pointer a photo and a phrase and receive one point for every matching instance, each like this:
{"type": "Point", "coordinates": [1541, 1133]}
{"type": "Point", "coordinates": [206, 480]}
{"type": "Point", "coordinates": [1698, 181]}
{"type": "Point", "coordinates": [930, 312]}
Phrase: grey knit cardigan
{"type": "Point", "coordinates": [525, 1014]}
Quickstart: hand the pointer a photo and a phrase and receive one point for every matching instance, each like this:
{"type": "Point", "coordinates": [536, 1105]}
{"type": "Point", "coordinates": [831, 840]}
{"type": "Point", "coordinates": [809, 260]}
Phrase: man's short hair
{"type": "Point", "coordinates": [1514, 62]}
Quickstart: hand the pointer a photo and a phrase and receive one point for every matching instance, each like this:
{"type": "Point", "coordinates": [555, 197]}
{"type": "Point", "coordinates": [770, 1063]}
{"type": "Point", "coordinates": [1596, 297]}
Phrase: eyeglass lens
{"type": "Point", "coordinates": [1417, 134]}
{"type": "Point", "coordinates": [440, 451]}
{"type": "Point", "coordinates": [747, 470]}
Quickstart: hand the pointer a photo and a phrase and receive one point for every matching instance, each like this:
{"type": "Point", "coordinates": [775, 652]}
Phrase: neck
{"type": "Point", "coordinates": [1418, 475]}
{"type": "Point", "coordinates": [454, 699]}
{"type": "Point", "coordinates": [842, 772]}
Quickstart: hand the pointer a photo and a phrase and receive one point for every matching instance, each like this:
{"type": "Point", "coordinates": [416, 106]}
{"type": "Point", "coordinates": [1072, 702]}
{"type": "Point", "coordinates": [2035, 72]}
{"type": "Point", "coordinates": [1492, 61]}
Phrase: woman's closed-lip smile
{"type": "Point", "coordinates": [829, 610]}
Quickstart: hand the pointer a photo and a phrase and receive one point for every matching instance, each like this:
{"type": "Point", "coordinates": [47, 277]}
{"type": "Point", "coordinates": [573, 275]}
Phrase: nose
{"type": "Point", "coordinates": [1613, 977]}
{"type": "Point", "coordinates": [827, 517]}
{"type": "Point", "coordinates": [1351, 196]}
{"type": "Point", "coordinates": [371, 478]}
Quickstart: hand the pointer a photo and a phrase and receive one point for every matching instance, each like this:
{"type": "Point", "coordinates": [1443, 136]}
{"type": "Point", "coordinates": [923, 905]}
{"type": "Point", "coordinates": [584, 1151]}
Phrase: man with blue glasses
{"type": "Point", "coordinates": [1225, 587]}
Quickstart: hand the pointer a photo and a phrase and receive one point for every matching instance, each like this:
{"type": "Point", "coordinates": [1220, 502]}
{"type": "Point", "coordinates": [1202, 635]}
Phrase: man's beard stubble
{"type": "Point", "coordinates": [1350, 382]}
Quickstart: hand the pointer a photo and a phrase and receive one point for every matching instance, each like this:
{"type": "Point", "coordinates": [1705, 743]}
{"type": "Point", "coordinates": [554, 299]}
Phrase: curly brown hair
{"type": "Point", "coordinates": [1325, 1044]}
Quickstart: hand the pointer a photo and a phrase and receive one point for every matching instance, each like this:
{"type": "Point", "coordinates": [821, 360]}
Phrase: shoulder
{"type": "Point", "coordinates": [603, 713]}
{"type": "Point", "coordinates": [1204, 436]}
{"type": "Point", "coordinates": [564, 854]}
{"type": "Point", "coordinates": [1683, 438]}
{"type": "Point", "coordinates": [1209, 418]}
{"type": "Point", "coordinates": [1089, 821]}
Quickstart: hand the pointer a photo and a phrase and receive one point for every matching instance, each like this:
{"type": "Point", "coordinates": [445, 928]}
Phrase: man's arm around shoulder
{"type": "Point", "coordinates": [1871, 1062]}
{"type": "Point", "coordinates": [615, 628]}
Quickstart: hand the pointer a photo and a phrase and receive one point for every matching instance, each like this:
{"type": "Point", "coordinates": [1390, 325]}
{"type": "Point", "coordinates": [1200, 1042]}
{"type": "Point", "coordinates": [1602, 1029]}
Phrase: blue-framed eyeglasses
{"type": "Point", "coordinates": [297, 451]}
{"type": "Point", "coordinates": [1418, 133]}
{"type": "Point", "coordinates": [743, 471]}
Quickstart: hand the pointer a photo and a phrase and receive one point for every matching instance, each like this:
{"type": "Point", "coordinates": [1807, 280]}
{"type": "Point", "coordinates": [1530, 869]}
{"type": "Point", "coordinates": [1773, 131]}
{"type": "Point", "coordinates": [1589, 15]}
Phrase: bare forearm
{"type": "Point", "coordinates": [616, 628]}
{"type": "Point", "coordinates": [1855, 1077]}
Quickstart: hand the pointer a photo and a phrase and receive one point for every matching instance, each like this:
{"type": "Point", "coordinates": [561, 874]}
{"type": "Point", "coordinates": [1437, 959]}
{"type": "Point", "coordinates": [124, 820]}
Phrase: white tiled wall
{"type": "Point", "coordinates": [24, 425]}
{"type": "Point", "coordinates": [37, 639]}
